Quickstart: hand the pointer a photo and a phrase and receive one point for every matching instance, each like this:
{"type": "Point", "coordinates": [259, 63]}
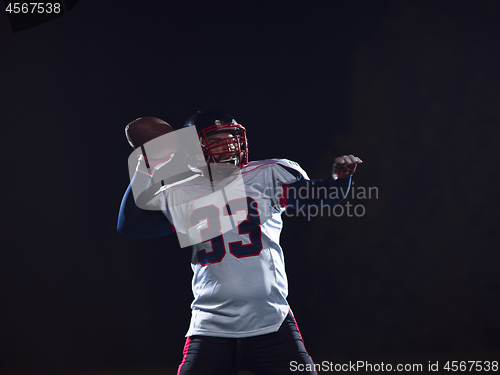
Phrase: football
{"type": "Point", "coordinates": [150, 132]}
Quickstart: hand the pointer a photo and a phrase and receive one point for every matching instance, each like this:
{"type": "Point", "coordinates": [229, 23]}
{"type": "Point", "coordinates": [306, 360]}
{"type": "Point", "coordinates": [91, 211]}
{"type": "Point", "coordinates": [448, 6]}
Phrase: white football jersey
{"type": "Point", "coordinates": [239, 282]}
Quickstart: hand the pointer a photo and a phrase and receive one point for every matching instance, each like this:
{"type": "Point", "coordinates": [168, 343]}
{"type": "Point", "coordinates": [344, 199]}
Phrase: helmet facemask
{"type": "Point", "coordinates": [234, 152]}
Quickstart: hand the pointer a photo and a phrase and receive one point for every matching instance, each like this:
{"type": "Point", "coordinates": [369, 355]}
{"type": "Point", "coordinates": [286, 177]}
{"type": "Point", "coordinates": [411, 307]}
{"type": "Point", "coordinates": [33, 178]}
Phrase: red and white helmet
{"type": "Point", "coordinates": [213, 121]}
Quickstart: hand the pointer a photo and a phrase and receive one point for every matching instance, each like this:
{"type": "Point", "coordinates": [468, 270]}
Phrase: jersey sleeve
{"type": "Point", "coordinates": [293, 188]}
{"type": "Point", "coordinates": [306, 194]}
{"type": "Point", "coordinates": [284, 173]}
{"type": "Point", "coordinates": [138, 223]}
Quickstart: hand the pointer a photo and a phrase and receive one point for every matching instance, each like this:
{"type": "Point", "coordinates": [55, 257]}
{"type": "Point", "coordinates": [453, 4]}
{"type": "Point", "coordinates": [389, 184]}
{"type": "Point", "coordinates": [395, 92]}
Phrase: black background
{"type": "Point", "coordinates": [410, 87]}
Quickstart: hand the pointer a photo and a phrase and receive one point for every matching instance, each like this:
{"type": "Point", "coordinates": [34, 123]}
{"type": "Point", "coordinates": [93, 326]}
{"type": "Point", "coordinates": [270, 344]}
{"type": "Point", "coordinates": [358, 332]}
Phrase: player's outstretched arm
{"type": "Point", "coordinates": [306, 194]}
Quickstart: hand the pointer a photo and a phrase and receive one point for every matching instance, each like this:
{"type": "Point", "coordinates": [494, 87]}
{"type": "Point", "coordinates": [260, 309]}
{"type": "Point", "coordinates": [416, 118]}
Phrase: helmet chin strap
{"type": "Point", "coordinates": [233, 159]}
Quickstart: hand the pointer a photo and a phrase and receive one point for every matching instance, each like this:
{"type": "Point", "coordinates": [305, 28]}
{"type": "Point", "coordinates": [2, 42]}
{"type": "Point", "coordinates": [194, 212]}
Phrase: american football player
{"type": "Point", "coordinates": [231, 215]}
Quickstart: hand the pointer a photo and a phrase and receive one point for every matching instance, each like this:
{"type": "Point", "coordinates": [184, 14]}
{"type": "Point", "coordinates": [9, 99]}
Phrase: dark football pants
{"type": "Point", "coordinates": [269, 354]}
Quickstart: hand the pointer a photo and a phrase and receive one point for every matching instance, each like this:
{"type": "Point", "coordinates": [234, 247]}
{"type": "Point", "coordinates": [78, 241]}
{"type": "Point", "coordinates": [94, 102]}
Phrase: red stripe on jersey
{"type": "Point", "coordinates": [284, 196]}
{"type": "Point", "coordinates": [184, 354]}
{"type": "Point", "coordinates": [300, 335]}
{"type": "Point", "coordinates": [172, 227]}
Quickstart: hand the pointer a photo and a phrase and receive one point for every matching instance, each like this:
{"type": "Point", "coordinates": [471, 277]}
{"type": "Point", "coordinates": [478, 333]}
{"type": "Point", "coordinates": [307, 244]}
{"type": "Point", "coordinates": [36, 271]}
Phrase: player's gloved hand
{"type": "Point", "coordinates": [345, 166]}
{"type": "Point", "coordinates": [143, 166]}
